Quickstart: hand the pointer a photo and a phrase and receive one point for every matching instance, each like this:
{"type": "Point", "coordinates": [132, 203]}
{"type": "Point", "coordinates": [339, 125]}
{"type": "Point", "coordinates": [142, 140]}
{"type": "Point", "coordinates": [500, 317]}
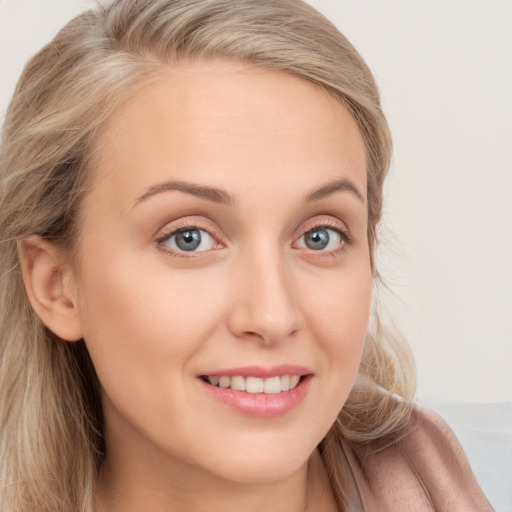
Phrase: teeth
{"type": "Point", "coordinates": [271, 385]}
{"type": "Point", "coordinates": [214, 380]}
{"type": "Point", "coordinates": [254, 385]}
{"type": "Point", "coordinates": [224, 382]}
{"type": "Point", "coordinates": [238, 383]}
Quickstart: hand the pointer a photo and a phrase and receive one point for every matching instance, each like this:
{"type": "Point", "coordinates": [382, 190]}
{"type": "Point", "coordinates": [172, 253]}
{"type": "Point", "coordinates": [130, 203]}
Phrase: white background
{"type": "Point", "coordinates": [445, 73]}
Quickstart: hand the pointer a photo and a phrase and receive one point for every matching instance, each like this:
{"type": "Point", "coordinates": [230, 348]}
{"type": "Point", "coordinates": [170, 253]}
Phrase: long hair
{"type": "Point", "coordinates": [51, 424]}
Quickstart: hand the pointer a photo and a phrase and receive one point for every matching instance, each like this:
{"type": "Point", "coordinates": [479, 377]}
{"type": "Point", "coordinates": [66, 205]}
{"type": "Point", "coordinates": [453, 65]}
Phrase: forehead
{"type": "Point", "coordinates": [230, 125]}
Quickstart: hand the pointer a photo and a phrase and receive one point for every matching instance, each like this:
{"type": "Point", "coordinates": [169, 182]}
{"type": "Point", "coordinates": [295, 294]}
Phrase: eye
{"type": "Point", "coordinates": [321, 238]}
{"type": "Point", "coordinates": [188, 240]}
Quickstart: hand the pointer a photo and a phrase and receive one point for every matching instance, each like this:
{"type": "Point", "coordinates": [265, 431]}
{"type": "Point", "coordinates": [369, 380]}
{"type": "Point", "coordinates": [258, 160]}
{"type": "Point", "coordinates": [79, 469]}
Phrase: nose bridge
{"type": "Point", "coordinates": [265, 305]}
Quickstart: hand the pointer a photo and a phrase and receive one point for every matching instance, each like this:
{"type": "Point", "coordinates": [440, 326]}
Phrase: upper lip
{"type": "Point", "coordinates": [261, 371]}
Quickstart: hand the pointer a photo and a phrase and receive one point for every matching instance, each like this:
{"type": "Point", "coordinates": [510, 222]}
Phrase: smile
{"type": "Point", "coordinates": [270, 385]}
{"type": "Point", "coordinates": [257, 391]}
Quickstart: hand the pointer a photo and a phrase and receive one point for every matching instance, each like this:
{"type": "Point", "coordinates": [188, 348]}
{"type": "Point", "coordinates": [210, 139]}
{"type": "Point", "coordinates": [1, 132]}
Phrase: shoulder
{"type": "Point", "coordinates": [426, 470]}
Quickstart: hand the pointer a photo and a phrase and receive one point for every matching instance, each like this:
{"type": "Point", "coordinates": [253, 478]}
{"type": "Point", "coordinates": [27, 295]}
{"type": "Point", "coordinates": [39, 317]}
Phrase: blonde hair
{"type": "Point", "coordinates": [51, 443]}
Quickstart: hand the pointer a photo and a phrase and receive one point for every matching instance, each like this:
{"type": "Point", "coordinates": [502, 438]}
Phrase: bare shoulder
{"type": "Point", "coordinates": [427, 470]}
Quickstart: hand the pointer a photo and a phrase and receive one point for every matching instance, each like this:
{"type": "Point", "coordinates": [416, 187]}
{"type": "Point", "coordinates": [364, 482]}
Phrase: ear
{"type": "Point", "coordinates": [50, 287]}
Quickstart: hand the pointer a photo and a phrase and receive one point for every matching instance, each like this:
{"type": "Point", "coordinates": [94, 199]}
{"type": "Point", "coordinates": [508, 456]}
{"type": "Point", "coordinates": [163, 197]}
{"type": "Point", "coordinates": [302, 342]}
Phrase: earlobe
{"type": "Point", "coordinates": [50, 290]}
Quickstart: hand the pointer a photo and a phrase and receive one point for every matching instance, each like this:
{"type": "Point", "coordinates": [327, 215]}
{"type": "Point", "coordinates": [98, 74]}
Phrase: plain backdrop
{"type": "Point", "coordinates": [445, 73]}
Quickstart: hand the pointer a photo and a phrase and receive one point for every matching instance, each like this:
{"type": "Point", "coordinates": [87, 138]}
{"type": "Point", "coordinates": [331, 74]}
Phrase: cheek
{"type": "Point", "coordinates": [141, 326]}
{"type": "Point", "coordinates": [338, 315]}
{"type": "Point", "coordinates": [340, 308]}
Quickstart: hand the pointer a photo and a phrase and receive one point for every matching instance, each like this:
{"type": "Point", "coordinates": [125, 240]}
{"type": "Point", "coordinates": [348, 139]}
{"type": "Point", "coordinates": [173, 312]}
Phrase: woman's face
{"type": "Point", "coordinates": [223, 243]}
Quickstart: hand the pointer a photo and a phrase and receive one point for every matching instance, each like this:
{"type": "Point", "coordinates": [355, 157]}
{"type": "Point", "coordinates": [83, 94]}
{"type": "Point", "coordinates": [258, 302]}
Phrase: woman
{"type": "Point", "coordinates": [190, 198]}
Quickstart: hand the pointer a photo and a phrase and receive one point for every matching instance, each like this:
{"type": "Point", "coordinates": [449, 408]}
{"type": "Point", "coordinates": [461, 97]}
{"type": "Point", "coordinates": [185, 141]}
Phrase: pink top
{"type": "Point", "coordinates": [427, 471]}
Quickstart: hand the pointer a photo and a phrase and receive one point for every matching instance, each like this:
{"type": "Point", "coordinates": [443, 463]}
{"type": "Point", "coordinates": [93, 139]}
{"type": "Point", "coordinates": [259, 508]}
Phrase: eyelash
{"type": "Point", "coordinates": [346, 238]}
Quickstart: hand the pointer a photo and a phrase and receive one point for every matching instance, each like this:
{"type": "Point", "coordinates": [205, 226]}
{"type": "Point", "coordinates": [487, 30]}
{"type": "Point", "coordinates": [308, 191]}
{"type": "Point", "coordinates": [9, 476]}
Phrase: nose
{"type": "Point", "coordinates": [265, 304]}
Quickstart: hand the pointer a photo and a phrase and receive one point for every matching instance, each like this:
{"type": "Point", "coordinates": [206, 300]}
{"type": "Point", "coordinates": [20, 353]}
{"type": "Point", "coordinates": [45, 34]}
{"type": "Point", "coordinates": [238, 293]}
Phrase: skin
{"type": "Point", "coordinates": [155, 319]}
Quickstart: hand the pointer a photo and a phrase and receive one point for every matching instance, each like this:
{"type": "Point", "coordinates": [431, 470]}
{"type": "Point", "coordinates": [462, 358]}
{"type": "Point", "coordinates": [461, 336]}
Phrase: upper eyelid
{"type": "Point", "coordinates": [178, 225]}
{"type": "Point", "coordinates": [330, 223]}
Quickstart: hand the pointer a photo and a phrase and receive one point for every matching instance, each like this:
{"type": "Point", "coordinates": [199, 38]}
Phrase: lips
{"type": "Point", "coordinates": [258, 391]}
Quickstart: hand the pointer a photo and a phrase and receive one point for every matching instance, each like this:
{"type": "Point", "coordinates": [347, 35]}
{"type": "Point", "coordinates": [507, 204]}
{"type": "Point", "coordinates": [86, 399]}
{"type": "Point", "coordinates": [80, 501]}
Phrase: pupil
{"type": "Point", "coordinates": [317, 239]}
{"type": "Point", "coordinates": [188, 240]}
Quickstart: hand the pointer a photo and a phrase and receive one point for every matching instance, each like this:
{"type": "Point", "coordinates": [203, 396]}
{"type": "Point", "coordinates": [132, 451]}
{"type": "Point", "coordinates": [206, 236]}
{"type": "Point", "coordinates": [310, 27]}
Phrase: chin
{"type": "Point", "coordinates": [261, 462]}
{"type": "Point", "coordinates": [263, 472]}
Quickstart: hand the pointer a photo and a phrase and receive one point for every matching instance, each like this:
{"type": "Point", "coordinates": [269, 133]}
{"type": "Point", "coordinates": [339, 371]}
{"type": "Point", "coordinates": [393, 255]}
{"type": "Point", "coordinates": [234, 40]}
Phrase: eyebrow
{"type": "Point", "coordinates": [220, 196]}
{"type": "Point", "coordinates": [203, 192]}
{"type": "Point", "coordinates": [342, 185]}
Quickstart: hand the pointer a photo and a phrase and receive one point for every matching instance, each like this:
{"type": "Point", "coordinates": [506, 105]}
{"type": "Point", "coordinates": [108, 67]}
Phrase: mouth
{"type": "Point", "coordinates": [258, 392]}
{"type": "Point", "coordinates": [250, 384]}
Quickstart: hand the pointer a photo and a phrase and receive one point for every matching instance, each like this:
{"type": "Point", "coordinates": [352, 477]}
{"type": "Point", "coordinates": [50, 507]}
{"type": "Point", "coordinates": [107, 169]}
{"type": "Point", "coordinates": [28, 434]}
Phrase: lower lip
{"type": "Point", "coordinates": [260, 405]}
